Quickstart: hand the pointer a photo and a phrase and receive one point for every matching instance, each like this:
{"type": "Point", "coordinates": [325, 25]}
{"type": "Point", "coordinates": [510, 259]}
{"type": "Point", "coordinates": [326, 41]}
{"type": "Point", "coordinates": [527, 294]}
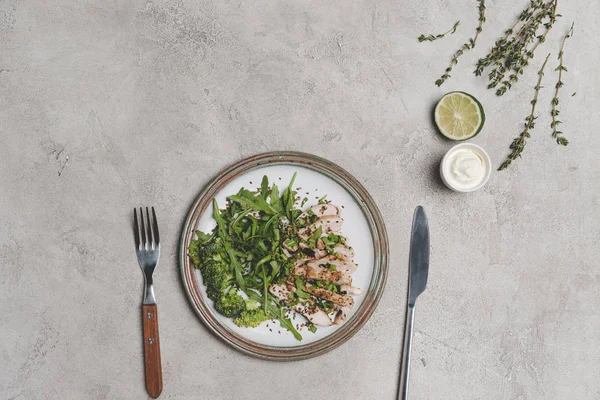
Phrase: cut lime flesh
{"type": "Point", "coordinates": [459, 116]}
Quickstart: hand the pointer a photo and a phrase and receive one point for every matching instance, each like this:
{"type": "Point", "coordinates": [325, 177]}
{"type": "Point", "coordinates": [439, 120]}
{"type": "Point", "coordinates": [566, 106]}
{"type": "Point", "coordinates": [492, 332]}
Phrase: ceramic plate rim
{"type": "Point", "coordinates": [380, 245]}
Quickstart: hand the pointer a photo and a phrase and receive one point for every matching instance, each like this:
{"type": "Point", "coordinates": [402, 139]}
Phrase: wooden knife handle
{"type": "Point", "coordinates": [152, 350]}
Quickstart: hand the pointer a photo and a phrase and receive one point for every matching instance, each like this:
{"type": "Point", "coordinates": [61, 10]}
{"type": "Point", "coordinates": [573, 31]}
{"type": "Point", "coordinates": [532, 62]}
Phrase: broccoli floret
{"type": "Point", "coordinates": [230, 304]}
{"type": "Point", "coordinates": [216, 275]}
{"type": "Point", "coordinates": [251, 318]}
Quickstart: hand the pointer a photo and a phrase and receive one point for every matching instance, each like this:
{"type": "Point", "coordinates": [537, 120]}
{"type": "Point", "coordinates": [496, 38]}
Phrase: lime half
{"type": "Point", "coordinates": [459, 116]}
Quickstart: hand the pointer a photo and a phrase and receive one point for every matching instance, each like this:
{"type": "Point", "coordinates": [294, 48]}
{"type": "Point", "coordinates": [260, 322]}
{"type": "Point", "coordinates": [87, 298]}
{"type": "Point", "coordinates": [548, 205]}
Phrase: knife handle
{"type": "Point", "coordinates": [153, 365]}
{"type": "Point", "coordinates": [405, 366]}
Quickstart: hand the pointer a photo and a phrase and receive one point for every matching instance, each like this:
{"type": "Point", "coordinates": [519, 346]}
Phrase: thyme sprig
{"type": "Point", "coordinates": [431, 38]}
{"type": "Point", "coordinates": [465, 47]}
{"type": "Point", "coordinates": [513, 52]}
{"type": "Point", "coordinates": [518, 144]}
{"type": "Point", "coordinates": [556, 134]}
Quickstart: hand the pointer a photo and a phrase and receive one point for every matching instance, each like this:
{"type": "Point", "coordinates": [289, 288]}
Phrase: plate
{"type": "Point", "coordinates": [363, 228]}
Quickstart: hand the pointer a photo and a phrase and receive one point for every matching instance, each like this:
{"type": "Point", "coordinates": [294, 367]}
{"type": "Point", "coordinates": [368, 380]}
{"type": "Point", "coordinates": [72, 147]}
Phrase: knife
{"type": "Point", "coordinates": [417, 281]}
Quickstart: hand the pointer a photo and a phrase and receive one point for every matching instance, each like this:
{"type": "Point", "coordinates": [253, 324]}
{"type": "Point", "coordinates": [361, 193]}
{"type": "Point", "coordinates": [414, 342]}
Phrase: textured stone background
{"type": "Point", "coordinates": [105, 105]}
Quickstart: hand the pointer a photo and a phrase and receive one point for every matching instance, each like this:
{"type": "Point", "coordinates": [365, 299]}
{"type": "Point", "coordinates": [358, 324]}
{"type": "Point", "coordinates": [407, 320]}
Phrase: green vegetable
{"type": "Point", "coordinates": [251, 318]}
{"type": "Point", "coordinates": [243, 254]}
{"type": "Point", "coordinates": [312, 242]}
{"type": "Point", "coordinates": [230, 304]}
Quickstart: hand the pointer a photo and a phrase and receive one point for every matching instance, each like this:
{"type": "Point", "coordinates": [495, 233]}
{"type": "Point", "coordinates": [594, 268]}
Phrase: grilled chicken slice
{"type": "Point", "coordinates": [322, 210]}
{"type": "Point", "coordinates": [340, 299]}
{"type": "Point", "coordinates": [313, 253]}
{"type": "Point", "coordinates": [289, 248]}
{"type": "Point", "coordinates": [311, 312]}
{"type": "Point", "coordinates": [349, 289]}
{"type": "Point", "coordinates": [328, 224]}
{"type": "Point", "coordinates": [340, 264]}
{"type": "Point", "coordinates": [279, 291]}
{"type": "Point", "coordinates": [314, 314]}
{"type": "Point", "coordinates": [323, 274]}
{"type": "Point", "coordinates": [344, 252]}
{"type": "Point", "coordinates": [341, 315]}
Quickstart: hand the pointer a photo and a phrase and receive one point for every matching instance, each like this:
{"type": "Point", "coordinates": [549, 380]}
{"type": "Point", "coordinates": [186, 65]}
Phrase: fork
{"type": "Point", "coordinates": [148, 251]}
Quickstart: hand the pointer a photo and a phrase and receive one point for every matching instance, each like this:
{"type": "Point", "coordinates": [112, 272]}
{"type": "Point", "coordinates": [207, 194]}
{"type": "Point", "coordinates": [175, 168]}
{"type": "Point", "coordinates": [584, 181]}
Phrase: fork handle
{"type": "Point", "coordinates": [154, 383]}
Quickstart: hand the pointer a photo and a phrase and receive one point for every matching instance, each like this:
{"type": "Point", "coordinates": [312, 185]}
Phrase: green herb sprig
{"type": "Point", "coordinates": [431, 38]}
{"type": "Point", "coordinates": [513, 52]}
{"type": "Point", "coordinates": [465, 47]}
{"type": "Point", "coordinates": [518, 144]}
{"type": "Point", "coordinates": [556, 134]}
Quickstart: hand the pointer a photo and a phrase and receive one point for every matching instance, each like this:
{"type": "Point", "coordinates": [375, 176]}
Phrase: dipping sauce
{"type": "Point", "coordinates": [465, 167]}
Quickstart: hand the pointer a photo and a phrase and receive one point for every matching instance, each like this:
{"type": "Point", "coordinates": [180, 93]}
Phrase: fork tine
{"type": "Point", "coordinates": [150, 239]}
{"type": "Point", "coordinates": [155, 228]}
{"type": "Point", "coordinates": [143, 228]}
{"type": "Point", "coordinates": [136, 230]}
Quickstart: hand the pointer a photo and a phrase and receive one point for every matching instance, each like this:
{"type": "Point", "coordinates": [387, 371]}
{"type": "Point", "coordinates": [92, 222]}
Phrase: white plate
{"type": "Point", "coordinates": [362, 227]}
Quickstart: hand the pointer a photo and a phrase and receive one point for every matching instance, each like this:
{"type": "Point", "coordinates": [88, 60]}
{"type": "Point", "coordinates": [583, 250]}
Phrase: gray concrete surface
{"type": "Point", "coordinates": [105, 105]}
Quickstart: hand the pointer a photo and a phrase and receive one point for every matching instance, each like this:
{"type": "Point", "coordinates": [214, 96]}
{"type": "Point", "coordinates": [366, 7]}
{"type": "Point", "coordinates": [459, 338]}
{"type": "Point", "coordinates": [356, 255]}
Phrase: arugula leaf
{"type": "Point", "coordinates": [265, 279]}
{"type": "Point", "coordinates": [264, 187]}
{"type": "Point", "coordinates": [312, 242]}
{"type": "Point", "coordinates": [275, 268]}
{"type": "Point", "coordinates": [247, 200]}
{"type": "Point", "coordinates": [277, 312]}
{"type": "Point", "coordinates": [237, 269]}
{"type": "Point", "coordinates": [288, 199]}
{"type": "Point", "coordinates": [275, 200]}
{"type": "Point", "coordinates": [219, 219]}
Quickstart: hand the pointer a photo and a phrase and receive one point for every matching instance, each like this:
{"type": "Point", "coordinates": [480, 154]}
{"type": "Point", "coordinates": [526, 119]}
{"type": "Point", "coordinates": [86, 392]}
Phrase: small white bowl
{"type": "Point", "coordinates": [480, 152]}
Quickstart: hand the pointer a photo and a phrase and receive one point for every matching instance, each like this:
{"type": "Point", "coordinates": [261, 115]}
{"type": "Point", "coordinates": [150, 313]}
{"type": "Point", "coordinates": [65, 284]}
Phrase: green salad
{"type": "Point", "coordinates": [266, 258]}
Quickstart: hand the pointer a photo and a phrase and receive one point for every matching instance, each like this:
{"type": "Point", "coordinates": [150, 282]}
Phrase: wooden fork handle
{"type": "Point", "coordinates": [154, 383]}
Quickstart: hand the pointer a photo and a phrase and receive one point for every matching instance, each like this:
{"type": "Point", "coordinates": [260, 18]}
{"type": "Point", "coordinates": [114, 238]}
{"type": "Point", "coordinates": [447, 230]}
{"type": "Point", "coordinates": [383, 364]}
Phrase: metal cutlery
{"type": "Point", "coordinates": [417, 281]}
{"type": "Point", "coordinates": [147, 248]}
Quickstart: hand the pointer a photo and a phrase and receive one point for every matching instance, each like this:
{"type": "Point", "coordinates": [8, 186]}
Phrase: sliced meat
{"type": "Point", "coordinates": [293, 249]}
{"type": "Point", "coordinates": [323, 274]}
{"type": "Point", "coordinates": [311, 312]}
{"type": "Point", "coordinates": [337, 298]}
{"type": "Point", "coordinates": [279, 291]}
{"type": "Point", "coordinates": [302, 261]}
{"type": "Point", "coordinates": [341, 315]}
{"type": "Point", "coordinates": [313, 253]}
{"type": "Point", "coordinates": [330, 223]}
{"type": "Point", "coordinates": [340, 264]}
{"type": "Point", "coordinates": [287, 253]}
{"type": "Point", "coordinates": [322, 210]}
{"type": "Point", "coordinates": [314, 314]}
{"type": "Point", "coordinates": [344, 252]}
{"type": "Point", "coordinates": [349, 289]}
{"type": "Point", "coordinates": [320, 244]}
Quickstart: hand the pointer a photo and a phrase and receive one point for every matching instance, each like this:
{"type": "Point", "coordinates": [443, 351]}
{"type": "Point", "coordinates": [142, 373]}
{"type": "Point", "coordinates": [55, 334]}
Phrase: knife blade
{"type": "Point", "coordinates": [418, 272]}
{"type": "Point", "coordinates": [419, 256]}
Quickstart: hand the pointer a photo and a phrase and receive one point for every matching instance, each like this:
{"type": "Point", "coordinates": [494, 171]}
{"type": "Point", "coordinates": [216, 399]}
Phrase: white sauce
{"type": "Point", "coordinates": [464, 168]}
